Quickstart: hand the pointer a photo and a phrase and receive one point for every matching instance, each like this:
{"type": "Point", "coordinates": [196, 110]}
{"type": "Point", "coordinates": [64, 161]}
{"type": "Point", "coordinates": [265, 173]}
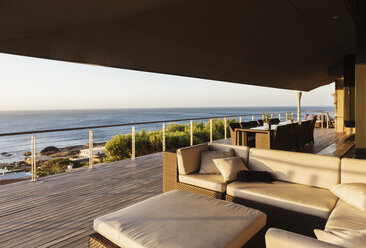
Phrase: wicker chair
{"type": "Point", "coordinates": [235, 136]}
{"type": "Point", "coordinates": [253, 123]}
{"type": "Point", "coordinates": [281, 140]}
{"type": "Point", "coordinates": [275, 121]}
{"type": "Point", "coordinates": [294, 134]}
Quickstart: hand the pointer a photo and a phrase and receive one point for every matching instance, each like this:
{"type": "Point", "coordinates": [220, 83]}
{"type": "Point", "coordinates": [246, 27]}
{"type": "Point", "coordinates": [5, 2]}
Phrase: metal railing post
{"type": "Point", "coordinates": [91, 155]}
{"type": "Point", "coordinates": [210, 130]}
{"type": "Point", "coordinates": [191, 130]}
{"type": "Point", "coordinates": [252, 117]}
{"type": "Point", "coordinates": [33, 159]}
{"type": "Point", "coordinates": [279, 116]}
{"type": "Point", "coordinates": [133, 154]}
{"type": "Point", "coordinates": [225, 128]}
{"type": "Point", "coordinates": [327, 121]}
{"type": "Point", "coordinates": [322, 120]}
{"type": "Point", "coordinates": [271, 116]}
{"type": "Point", "coordinates": [240, 119]}
{"type": "Point", "coordinates": [164, 137]}
{"type": "Point", "coordinates": [286, 116]}
{"type": "Point", "coordinates": [262, 117]}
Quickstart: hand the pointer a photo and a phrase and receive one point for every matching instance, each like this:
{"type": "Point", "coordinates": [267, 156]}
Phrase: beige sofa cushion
{"type": "Point", "coordinates": [277, 238]}
{"type": "Point", "coordinates": [352, 193]}
{"type": "Point", "coordinates": [296, 197]}
{"type": "Point", "coordinates": [181, 219]}
{"type": "Point", "coordinates": [344, 238]}
{"type": "Point", "coordinates": [212, 182]}
{"type": "Point", "coordinates": [241, 151]}
{"type": "Point", "coordinates": [346, 226]}
{"type": "Point", "coordinates": [230, 167]}
{"type": "Point", "coordinates": [207, 164]}
{"type": "Point", "coordinates": [309, 169]}
{"type": "Point", "coordinates": [189, 158]}
{"type": "Point", "coordinates": [346, 217]}
{"type": "Point", "coordinates": [353, 170]}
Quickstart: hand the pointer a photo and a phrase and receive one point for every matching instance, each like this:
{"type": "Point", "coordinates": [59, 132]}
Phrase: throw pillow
{"type": "Point", "coordinates": [207, 164]}
{"type": "Point", "coordinates": [352, 193]}
{"type": "Point", "coordinates": [344, 238]}
{"type": "Point", "coordinates": [255, 176]}
{"type": "Point", "coordinates": [229, 167]}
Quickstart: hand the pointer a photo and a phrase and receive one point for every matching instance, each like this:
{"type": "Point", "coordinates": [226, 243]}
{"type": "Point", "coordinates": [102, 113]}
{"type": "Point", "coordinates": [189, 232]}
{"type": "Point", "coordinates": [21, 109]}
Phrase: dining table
{"type": "Point", "coordinates": [263, 137]}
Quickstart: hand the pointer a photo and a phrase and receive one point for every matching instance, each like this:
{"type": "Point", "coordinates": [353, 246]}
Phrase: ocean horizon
{"type": "Point", "coordinates": [34, 120]}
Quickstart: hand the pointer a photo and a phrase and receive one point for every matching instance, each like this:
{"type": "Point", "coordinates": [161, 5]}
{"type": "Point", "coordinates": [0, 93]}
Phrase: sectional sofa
{"type": "Point", "coordinates": [299, 200]}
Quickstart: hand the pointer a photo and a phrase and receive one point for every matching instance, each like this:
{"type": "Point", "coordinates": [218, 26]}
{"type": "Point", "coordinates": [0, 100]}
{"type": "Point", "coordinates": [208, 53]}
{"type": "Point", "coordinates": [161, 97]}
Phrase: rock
{"type": "Point", "coordinates": [27, 153]}
{"type": "Point", "coordinates": [4, 153]}
{"type": "Point", "coordinates": [21, 163]}
{"type": "Point", "coordinates": [49, 150]}
{"type": "Point", "coordinates": [8, 155]}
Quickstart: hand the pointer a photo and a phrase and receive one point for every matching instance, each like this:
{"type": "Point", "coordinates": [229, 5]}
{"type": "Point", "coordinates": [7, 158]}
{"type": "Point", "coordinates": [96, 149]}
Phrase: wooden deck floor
{"type": "Point", "coordinates": [58, 211]}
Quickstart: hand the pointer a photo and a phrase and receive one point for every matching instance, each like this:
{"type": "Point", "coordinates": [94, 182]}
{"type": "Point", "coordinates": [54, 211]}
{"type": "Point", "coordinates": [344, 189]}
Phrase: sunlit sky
{"type": "Point", "coordinates": [40, 84]}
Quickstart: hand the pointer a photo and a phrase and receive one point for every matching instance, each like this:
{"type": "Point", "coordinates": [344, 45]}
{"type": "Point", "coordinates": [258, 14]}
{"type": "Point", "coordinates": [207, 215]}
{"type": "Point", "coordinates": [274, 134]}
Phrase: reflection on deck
{"type": "Point", "coordinates": [58, 211]}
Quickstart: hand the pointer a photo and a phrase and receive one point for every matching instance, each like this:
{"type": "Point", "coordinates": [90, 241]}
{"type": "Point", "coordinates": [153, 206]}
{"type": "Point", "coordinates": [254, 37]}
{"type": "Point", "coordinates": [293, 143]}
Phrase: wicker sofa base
{"type": "Point", "coordinates": [201, 191]}
{"type": "Point", "coordinates": [98, 241]}
{"type": "Point", "coordinates": [283, 218]}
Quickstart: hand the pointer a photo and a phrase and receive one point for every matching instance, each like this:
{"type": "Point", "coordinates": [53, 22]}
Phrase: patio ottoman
{"type": "Point", "coordinates": [178, 219]}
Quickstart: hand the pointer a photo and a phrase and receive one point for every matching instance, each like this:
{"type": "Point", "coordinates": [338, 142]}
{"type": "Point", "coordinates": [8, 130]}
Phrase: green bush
{"type": "Point", "coordinates": [57, 165]}
{"type": "Point", "coordinates": [177, 136]}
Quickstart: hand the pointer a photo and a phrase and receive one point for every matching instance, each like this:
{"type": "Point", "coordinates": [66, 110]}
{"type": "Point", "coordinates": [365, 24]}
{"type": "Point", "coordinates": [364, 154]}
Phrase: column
{"type": "Point", "coordinates": [360, 78]}
{"type": "Point", "coordinates": [299, 93]}
{"type": "Point", "coordinates": [339, 105]}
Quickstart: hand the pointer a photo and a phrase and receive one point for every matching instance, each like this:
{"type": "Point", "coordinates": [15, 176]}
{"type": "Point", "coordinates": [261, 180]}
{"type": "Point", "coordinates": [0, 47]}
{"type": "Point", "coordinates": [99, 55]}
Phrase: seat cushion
{"type": "Point", "coordinates": [346, 217]}
{"type": "Point", "coordinates": [296, 197]}
{"type": "Point", "coordinates": [212, 182]}
{"type": "Point", "coordinates": [181, 219]}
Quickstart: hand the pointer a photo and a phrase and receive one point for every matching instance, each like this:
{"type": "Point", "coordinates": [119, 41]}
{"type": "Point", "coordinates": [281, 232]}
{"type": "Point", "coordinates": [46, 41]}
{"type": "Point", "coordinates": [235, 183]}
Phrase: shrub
{"type": "Point", "coordinates": [54, 166]}
{"type": "Point", "coordinates": [177, 136]}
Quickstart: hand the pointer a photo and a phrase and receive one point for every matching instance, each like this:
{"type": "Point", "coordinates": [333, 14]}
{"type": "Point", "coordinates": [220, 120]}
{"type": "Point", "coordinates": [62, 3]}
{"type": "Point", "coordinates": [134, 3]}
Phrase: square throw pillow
{"type": "Point", "coordinates": [352, 193]}
{"type": "Point", "coordinates": [207, 164]}
{"type": "Point", "coordinates": [229, 167]}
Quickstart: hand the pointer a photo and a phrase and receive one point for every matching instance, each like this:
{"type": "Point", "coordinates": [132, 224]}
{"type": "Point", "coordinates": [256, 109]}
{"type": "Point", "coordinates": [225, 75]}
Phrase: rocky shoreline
{"type": "Point", "coordinates": [49, 153]}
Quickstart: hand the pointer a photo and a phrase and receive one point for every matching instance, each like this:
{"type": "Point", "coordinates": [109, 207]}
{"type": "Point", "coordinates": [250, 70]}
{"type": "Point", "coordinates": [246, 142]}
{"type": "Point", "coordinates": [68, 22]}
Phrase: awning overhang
{"type": "Point", "coordinates": [292, 44]}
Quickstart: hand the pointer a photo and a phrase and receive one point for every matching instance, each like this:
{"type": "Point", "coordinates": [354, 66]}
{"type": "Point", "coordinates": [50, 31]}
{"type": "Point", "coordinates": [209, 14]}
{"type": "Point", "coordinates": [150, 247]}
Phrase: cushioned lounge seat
{"type": "Point", "coordinates": [346, 217]}
{"type": "Point", "coordinates": [277, 238]}
{"type": "Point", "coordinates": [212, 182]}
{"type": "Point", "coordinates": [181, 219]}
{"type": "Point", "coordinates": [296, 197]}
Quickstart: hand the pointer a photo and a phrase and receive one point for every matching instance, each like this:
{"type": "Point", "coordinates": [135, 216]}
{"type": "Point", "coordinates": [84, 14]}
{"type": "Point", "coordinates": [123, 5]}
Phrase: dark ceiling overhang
{"type": "Point", "coordinates": [290, 44]}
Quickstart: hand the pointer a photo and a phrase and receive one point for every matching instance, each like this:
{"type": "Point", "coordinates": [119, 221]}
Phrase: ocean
{"type": "Point", "coordinates": [21, 121]}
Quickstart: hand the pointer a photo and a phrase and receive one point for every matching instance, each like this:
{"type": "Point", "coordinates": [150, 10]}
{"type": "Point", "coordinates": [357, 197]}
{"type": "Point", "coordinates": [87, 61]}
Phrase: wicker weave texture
{"type": "Point", "coordinates": [98, 241]}
{"type": "Point", "coordinates": [170, 178]}
{"type": "Point", "coordinates": [170, 171]}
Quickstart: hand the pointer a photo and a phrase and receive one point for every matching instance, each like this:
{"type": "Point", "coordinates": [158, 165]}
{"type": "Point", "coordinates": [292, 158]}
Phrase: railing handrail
{"type": "Point", "coordinates": [139, 123]}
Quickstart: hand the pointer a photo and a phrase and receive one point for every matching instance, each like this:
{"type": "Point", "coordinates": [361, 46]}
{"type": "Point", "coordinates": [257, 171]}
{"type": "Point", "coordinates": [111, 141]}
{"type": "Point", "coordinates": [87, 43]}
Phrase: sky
{"type": "Point", "coordinates": [38, 84]}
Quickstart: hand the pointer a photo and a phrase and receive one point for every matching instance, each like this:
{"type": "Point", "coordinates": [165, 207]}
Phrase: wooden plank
{"type": "Point", "coordinates": [59, 210]}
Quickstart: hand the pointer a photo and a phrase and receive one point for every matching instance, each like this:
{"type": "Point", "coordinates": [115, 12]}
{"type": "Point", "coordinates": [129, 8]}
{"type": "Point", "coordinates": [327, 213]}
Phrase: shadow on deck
{"type": "Point", "coordinates": [58, 211]}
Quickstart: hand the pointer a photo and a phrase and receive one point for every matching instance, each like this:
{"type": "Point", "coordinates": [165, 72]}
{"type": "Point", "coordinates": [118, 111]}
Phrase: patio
{"type": "Point", "coordinates": [58, 211]}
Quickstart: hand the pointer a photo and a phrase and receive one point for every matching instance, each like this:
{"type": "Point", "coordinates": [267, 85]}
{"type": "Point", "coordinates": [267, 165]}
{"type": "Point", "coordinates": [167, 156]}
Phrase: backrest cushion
{"type": "Point", "coordinates": [189, 158]}
{"type": "Point", "coordinates": [303, 168]}
{"type": "Point", "coordinates": [353, 170]}
{"type": "Point", "coordinates": [207, 164]}
{"type": "Point", "coordinates": [241, 151]}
